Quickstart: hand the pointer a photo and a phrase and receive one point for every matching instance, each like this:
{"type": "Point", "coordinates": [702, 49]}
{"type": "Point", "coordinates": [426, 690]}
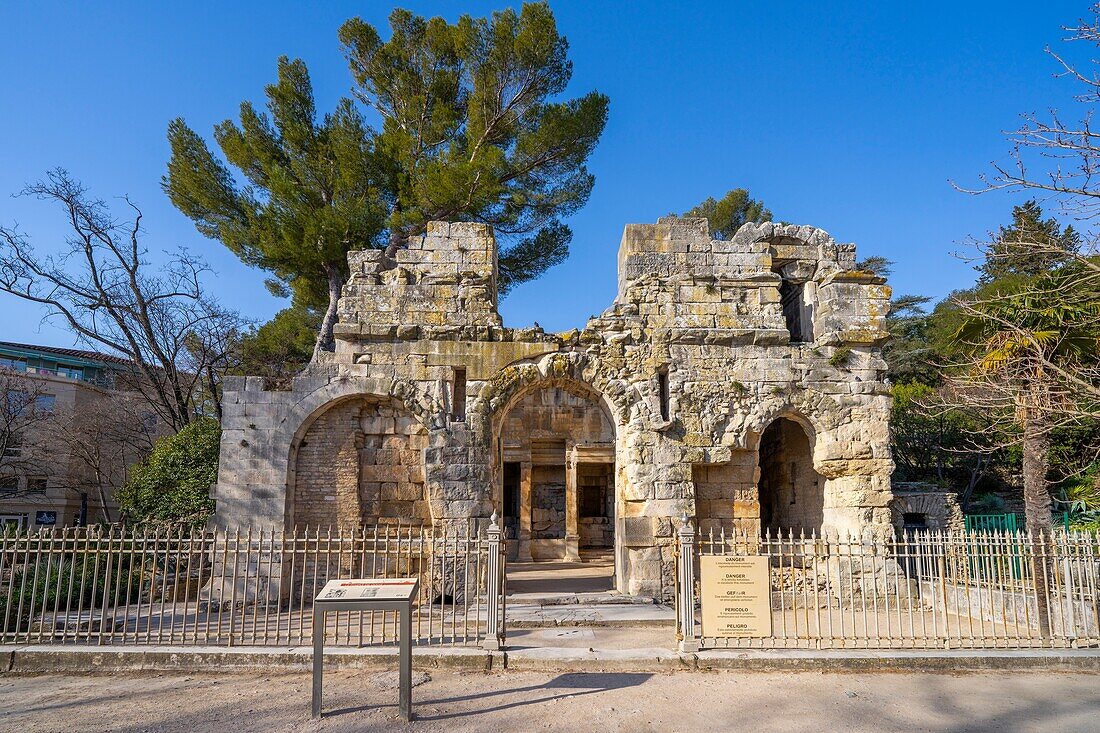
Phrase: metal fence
{"type": "Point", "coordinates": [244, 587]}
{"type": "Point", "coordinates": [924, 590]}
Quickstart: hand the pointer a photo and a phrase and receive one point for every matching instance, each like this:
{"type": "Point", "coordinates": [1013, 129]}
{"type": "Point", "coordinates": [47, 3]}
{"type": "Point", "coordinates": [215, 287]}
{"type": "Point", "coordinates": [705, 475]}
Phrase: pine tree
{"type": "Point", "coordinates": [1031, 245]}
{"type": "Point", "coordinates": [726, 215]}
{"type": "Point", "coordinates": [311, 196]}
{"type": "Point", "coordinates": [471, 130]}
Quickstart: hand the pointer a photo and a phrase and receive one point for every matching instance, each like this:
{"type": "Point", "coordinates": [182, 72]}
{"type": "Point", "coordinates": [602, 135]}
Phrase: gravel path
{"type": "Point", "coordinates": [588, 703]}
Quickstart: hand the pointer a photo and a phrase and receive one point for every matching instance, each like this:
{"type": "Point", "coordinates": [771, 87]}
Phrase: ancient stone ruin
{"type": "Point", "coordinates": [738, 382]}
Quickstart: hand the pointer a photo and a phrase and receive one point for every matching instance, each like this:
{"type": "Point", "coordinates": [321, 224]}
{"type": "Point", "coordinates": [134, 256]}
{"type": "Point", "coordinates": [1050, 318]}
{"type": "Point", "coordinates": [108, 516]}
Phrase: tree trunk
{"type": "Point", "coordinates": [1037, 510]}
{"type": "Point", "coordinates": [325, 339]}
{"type": "Point", "coordinates": [103, 504]}
{"type": "Point", "coordinates": [397, 240]}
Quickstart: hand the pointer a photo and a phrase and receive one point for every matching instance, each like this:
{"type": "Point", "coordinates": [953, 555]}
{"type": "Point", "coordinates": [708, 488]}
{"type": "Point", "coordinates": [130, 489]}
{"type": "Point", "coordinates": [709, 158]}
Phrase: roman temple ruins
{"type": "Point", "coordinates": [738, 382]}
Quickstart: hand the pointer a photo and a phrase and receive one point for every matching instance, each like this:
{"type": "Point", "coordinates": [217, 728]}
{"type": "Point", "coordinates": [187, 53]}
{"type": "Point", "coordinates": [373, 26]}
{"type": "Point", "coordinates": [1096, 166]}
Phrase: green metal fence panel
{"type": "Point", "coordinates": [991, 522]}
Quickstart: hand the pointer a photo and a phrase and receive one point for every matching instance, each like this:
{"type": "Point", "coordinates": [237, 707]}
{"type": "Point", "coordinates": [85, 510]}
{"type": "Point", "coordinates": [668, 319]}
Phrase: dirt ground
{"type": "Point", "coordinates": [588, 702]}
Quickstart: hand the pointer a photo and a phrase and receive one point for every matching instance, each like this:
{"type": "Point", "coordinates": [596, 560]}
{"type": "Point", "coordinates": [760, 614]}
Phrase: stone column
{"type": "Point", "coordinates": [572, 522]}
{"type": "Point", "coordinates": [523, 534]}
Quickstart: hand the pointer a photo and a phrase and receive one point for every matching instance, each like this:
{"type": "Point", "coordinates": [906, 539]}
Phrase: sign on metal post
{"type": "Point", "coordinates": [736, 595]}
{"type": "Point", "coordinates": [367, 594]}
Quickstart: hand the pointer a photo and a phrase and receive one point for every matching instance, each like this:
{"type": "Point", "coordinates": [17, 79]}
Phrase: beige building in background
{"type": "Point", "coordinates": [71, 456]}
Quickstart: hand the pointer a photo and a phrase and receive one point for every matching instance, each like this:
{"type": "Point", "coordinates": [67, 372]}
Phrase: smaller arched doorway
{"type": "Point", "coordinates": [360, 463]}
{"type": "Point", "coordinates": [791, 490]}
{"type": "Point", "coordinates": [556, 454]}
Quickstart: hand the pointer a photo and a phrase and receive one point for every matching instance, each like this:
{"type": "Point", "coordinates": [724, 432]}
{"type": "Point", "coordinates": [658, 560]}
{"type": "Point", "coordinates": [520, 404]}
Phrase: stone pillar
{"type": "Point", "coordinates": [572, 520]}
{"type": "Point", "coordinates": [523, 534]}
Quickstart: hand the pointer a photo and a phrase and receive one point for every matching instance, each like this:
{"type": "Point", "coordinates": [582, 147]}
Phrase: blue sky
{"type": "Point", "coordinates": [852, 117]}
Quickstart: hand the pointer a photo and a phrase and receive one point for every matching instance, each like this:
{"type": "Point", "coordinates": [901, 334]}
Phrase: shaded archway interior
{"type": "Point", "coordinates": [791, 490]}
{"type": "Point", "coordinates": [772, 489]}
{"type": "Point", "coordinates": [556, 452]}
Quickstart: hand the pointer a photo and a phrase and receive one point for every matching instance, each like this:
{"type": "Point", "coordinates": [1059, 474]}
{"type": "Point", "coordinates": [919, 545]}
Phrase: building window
{"type": "Point", "coordinates": [36, 484]}
{"type": "Point", "coordinates": [14, 445]}
{"type": "Point", "coordinates": [12, 520]}
{"type": "Point", "coordinates": [9, 484]}
{"type": "Point", "coordinates": [17, 401]}
{"type": "Point", "coordinates": [45, 403]}
{"type": "Point", "coordinates": [458, 396]}
{"type": "Point", "coordinates": [792, 297]}
{"type": "Point", "coordinates": [70, 372]}
{"type": "Point", "coordinates": [15, 365]}
{"type": "Point", "coordinates": [663, 392]}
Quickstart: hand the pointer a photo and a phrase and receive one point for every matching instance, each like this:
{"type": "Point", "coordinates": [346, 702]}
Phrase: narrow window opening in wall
{"type": "Point", "coordinates": [663, 391]}
{"type": "Point", "coordinates": [510, 510]}
{"type": "Point", "coordinates": [458, 402]}
{"type": "Point", "coordinates": [9, 484]}
{"type": "Point", "coordinates": [915, 520]}
{"type": "Point", "coordinates": [792, 298]}
{"type": "Point", "coordinates": [36, 485]}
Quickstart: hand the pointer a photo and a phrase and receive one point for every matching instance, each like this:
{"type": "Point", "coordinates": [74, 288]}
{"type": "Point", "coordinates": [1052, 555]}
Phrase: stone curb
{"type": "Point", "coordinates": [46, 659]}
{"type": "Point", "coordinates": [900, 661]}
{"type": "Point", "coordinates": [43, 659]}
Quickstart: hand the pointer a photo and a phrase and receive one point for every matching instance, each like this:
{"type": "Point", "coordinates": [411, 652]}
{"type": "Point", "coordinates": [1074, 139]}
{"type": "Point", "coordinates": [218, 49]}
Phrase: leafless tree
{"type": "Point", "coordinates": [105, 290]}
{"type": "Point", "coordinates": [101, 440]}
{"type": "Point", "coordinates": [22, 414]}
{"type": "Point", "coordinates": [1034, 346]}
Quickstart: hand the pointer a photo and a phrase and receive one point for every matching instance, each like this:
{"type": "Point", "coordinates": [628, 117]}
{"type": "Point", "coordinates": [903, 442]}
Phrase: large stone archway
{"type": "Point", "coordinates": [791, 492]}
{"type": "Point", "coordinates": [554, 436]}
{"type": "Point", "coordinates": [555, 459]}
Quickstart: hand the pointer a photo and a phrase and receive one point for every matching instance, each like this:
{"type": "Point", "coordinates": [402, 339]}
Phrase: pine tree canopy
{"type": "Point", "coordinates": [1031, 245]}
{"type": "Point", "coordinates": [452, 122]}
{"type": "Point", "coordinates": [726, 215]}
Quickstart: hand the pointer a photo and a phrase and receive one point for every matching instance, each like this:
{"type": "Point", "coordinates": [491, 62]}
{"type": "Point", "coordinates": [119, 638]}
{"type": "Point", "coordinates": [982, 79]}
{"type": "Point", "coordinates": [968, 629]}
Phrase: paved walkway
{"type": "Point", "coordinates": [554, 593]}
{"type": "Point", "coordinates": [518, 702]}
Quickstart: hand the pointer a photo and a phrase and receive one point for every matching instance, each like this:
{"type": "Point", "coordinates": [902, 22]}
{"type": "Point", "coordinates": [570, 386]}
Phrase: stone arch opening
{"type": "Point", "coordinates": [358, 462]}
{"type": "Point", "coordinates": [555, 455]}
{"type": "Point", "coordinates": [791, 491]}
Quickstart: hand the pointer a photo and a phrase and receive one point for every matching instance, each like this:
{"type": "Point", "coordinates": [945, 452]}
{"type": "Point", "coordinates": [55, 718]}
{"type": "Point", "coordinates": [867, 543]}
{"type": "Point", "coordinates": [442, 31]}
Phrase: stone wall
{"type": "Point", "coordinates": [326, 476]}
{"type": "Point", "coordinates": [726, 496]}
{"type": "Point", "coordinates": [687, 367]}
{"type": "Point", "coordinates": [936, 507]}
{"type": "Point", "coordinates": [360, 463]}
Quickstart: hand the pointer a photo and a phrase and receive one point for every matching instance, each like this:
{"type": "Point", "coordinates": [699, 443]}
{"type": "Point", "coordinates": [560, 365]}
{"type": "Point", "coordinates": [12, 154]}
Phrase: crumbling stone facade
{"type": "Point", "coordinates": [429, 405]}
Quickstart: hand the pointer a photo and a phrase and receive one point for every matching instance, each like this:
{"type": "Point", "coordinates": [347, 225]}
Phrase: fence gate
{"type": "Point", "coordinates": [924, 590]}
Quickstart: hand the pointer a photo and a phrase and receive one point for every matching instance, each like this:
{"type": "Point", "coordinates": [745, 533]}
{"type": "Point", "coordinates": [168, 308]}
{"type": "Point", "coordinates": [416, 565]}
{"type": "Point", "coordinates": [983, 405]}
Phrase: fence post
{"type": "Point", "coordinates": [493, 620]}
{"type": "Point", "coordinates": [685, 602]}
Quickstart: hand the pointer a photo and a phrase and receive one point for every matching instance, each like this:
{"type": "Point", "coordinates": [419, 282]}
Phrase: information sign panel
{"type": "Point", "coordinates": [356, 589]}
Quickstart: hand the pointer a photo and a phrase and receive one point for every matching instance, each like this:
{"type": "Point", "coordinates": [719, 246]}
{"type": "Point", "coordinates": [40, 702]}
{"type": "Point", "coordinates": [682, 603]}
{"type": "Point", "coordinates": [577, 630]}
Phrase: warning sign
{"type": "Point", "coordinates": [735, 595]}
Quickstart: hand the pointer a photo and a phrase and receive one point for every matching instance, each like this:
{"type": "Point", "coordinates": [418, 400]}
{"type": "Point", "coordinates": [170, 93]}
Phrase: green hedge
{"type": "Point", "coordinates": [69, 582]}
{"type": "Point", "coordinates": [172, 485]}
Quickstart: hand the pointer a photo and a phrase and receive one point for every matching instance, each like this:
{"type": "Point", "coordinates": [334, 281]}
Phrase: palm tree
{"type": "Point", "coordinates": [1031, 344]}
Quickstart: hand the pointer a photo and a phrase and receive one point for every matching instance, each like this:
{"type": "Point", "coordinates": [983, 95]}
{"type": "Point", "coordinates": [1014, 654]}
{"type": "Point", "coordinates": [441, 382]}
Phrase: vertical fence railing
{"type": "Point", "coordinates": [924, 589]}
{"type": "Point", "coordinates": [243, 587]}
